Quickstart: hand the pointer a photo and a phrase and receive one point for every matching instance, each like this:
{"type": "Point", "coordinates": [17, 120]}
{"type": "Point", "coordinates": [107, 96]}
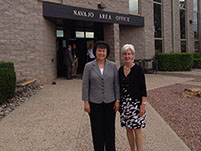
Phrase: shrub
{"type": "Point", "coordinates": [196, 60]}
{"type": "Point", "coordinates": [7, 81]}
{"type": "Point", "coordinates": [197, 55]}
{"type": "Point", "coordinates": [8, 65]}
{"type": "Point", "coordinates": [197, 63]}
{"type": "Point", "coordinates": [175, 61]}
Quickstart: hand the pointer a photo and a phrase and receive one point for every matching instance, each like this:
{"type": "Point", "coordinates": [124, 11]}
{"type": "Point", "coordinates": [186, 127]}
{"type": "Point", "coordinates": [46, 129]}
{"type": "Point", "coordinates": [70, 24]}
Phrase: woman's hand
{"type": "Point", "coordinates": [86, 106]}
{"type": "Point", "coordinates": [142, 109]}
{"type": "Point", "coordinates": [116, 106]}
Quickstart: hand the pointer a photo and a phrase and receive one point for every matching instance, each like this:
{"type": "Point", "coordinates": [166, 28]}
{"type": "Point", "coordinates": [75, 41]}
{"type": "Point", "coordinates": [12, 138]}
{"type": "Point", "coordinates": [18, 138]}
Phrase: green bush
{"type": "Point", "coordinates": [175, 61]}
{"type": "Point", "coordinates": [8, 65]}
{"type": "Point", "coordinates": [197, 55]}
{"type": "Point", "coordinates": [7, 81]}
{"type": "Point", "coordinates": [197, 63]}
{"type": "Point", "coordinates": [196, 60]}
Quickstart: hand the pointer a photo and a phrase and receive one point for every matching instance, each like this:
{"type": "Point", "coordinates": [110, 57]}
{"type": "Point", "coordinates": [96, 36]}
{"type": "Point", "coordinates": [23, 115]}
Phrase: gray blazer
{"type": "Point", "coordinates": [98, 88]}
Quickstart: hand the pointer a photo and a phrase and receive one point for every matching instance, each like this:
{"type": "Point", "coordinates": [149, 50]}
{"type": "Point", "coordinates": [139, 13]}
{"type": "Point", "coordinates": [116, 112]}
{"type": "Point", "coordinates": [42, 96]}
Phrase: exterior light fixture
{"type": "Point", "coordinates": [101, 6]}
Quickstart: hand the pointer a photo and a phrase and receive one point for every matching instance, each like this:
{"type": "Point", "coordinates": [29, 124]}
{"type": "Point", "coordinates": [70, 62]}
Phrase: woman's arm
{"type": "Point", "coordinates": [143, 93]}
{"type": "Point", "coordinates": [116, 83]}
{"type": "Point", "coordinates": [117, 89]}
{"type": "Point", "coordinates": [85, 88]}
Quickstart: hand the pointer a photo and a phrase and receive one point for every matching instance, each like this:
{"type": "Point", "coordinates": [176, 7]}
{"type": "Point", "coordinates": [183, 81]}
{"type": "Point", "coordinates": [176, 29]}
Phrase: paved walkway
{"type": "Point", "coordinates": [54, 120]}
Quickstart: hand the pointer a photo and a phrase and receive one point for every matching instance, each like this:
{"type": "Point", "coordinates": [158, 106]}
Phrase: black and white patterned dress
{"type": "Point", "coordinates": [129, 105]}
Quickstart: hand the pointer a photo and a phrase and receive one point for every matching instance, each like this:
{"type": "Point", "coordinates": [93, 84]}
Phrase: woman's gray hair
{"type": "Point", "coordinates": [128, 47]}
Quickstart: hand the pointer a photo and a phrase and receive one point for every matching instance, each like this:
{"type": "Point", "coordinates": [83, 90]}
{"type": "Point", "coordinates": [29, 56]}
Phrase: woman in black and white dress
{"type": "Point", "coordinates": [133, 97]}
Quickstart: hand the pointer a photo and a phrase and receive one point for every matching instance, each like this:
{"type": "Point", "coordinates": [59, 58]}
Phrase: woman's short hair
{"type": "Point", "coordinates": [128, 47]}
{"type": "Point", "coordinates": [102, 45]}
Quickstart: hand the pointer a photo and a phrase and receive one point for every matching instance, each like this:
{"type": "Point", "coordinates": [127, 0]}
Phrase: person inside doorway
{"type": "Point", "coordinates": [68, 61]}
{"type": "Point", "coordinates": [90, 55]}
{"type": "Point", "coordinates": [75, 57]}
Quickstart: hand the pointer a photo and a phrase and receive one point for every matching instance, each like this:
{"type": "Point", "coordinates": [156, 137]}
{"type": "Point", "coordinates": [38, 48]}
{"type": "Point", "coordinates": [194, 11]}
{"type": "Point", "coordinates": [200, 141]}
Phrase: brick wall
{"type": "Point", "coordinates": [189, 27]}
{"type": "Point", "coordinates": [141, 37]}
{"type": "Point", "coordinates": [167, 26]}
{"type": "Point", "coordinates": [147, 12]}
{"type": "Point", "coordinates": [49, 52]}
{"type": "Point", "coordinates": [134, 36]}
{"type": "Point", "coordinates": [111, 36]}
{"type": "Point", "coordinates": [176, 27]}
{"type": "Point", "coordinates": [120, 6]}
{"type": "Point", "coordinates": [26, 39]}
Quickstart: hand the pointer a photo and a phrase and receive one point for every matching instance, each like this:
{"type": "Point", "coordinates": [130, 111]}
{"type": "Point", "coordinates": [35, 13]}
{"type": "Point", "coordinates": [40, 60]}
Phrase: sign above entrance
{"type": "Point", "coordinates": [77, 13]}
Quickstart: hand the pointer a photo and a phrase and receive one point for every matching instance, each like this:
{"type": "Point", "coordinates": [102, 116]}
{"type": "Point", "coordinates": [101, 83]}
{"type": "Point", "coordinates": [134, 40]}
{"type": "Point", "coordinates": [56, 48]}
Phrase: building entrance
{"type": "Point", "coordinates": [81, 34]}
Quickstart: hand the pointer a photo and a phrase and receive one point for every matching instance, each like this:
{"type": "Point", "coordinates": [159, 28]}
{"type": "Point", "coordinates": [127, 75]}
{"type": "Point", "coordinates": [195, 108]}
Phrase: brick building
{"type": "Point", "coordinates": [33, 33]}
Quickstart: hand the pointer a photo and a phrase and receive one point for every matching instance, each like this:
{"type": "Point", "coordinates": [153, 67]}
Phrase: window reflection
{"type": "Point", "coordinates": [79, 34]}
{"type": "Point", "coordinates": [158, 46]}
{"type": "Point", "coordinates": [158, 26]}
{"type": "Point", "coordinates": [196, 46]}
{"type": "Point", "coordinates": [196, 28]}
{"type": "Point", "coordinates": [182, 4]}
{"type": "Point", "coordinates": [157, 21]}
{"type": "Point", "coordinates": [59, 33]}
{"type": "Point", "coordinates": [196, 25]}
{"type": "Point", "coordinates": [182, 24]}
{"type": "Point", "coordinates": [89, 34]}
{"type": "Point", "coordinates": [183, 46]}
{"type": "Point", "coordinates": [195, 5]}
{"type": "Point", "coordinates": [83, 34]}
{"type": "Point", "coordinates": [133, 6]}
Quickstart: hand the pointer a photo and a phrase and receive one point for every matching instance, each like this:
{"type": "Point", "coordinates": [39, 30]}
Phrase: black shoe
{"type": "Point", "coordinates": [69, 78]}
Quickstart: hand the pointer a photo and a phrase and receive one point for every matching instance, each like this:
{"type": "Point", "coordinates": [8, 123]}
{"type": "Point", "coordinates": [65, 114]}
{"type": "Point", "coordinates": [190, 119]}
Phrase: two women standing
{"type": "Point", "coordinates": [103, 96]}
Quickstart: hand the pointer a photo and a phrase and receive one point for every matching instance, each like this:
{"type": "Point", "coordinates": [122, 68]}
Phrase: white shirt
{"type": "Point", "coordinates": [101, 70]}
{"type": "Point", "coordinates": [90, 53]}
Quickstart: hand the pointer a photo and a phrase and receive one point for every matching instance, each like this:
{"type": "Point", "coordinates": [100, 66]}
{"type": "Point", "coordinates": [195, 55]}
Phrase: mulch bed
{"type": "Point", "coordinates": [22, 94]}
{"type": "Point", "coordinates": [182, 114]}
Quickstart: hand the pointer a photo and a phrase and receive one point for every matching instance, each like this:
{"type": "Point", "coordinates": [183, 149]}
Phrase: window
{"type": "Point", "coordinates": [196, 47]}
{"type": "Point", "coordinates": [134, 6]}
{"type": "Point", "coordinates": [182, 5]}
{"type": "Point", "coordinates": [183, 45]}
{"type": "Point", "coordinates": [79, 34]}
{"type": "Point", "coordinates": [196, 29]}
{"type": "Point", "coordinates": [89, 34]}
{"type": "Point", "coordinates": [157, 21]}
{"type": "Point", "coordinates": [158, 26]}
{"type": "Point", "coordinates": [83, 34]}
{"type": "Point", "coordinates": [158, 46]}
{"type": "Point", "coordinates": [64, 43]}
{"type": "Point", "coordinates": [182, 24]}
{"type": "Point", "coordinates": [59, 33]}
{"type": "Point", "coordinates": [195, 25]}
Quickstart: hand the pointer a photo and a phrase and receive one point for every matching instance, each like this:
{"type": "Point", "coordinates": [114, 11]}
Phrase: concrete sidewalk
{"type": "Point", "coordinates": [54, 120]}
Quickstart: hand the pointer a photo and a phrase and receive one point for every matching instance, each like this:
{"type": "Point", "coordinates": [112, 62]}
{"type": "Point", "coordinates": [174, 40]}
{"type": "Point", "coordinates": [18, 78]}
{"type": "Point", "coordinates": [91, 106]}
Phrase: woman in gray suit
{"type": "Point", "coordinates": [100, 93]}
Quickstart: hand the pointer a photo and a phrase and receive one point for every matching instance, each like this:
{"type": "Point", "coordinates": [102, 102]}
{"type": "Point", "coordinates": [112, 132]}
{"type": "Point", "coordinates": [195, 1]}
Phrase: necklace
{"type": "Point", "coordinates": [127, 69]}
